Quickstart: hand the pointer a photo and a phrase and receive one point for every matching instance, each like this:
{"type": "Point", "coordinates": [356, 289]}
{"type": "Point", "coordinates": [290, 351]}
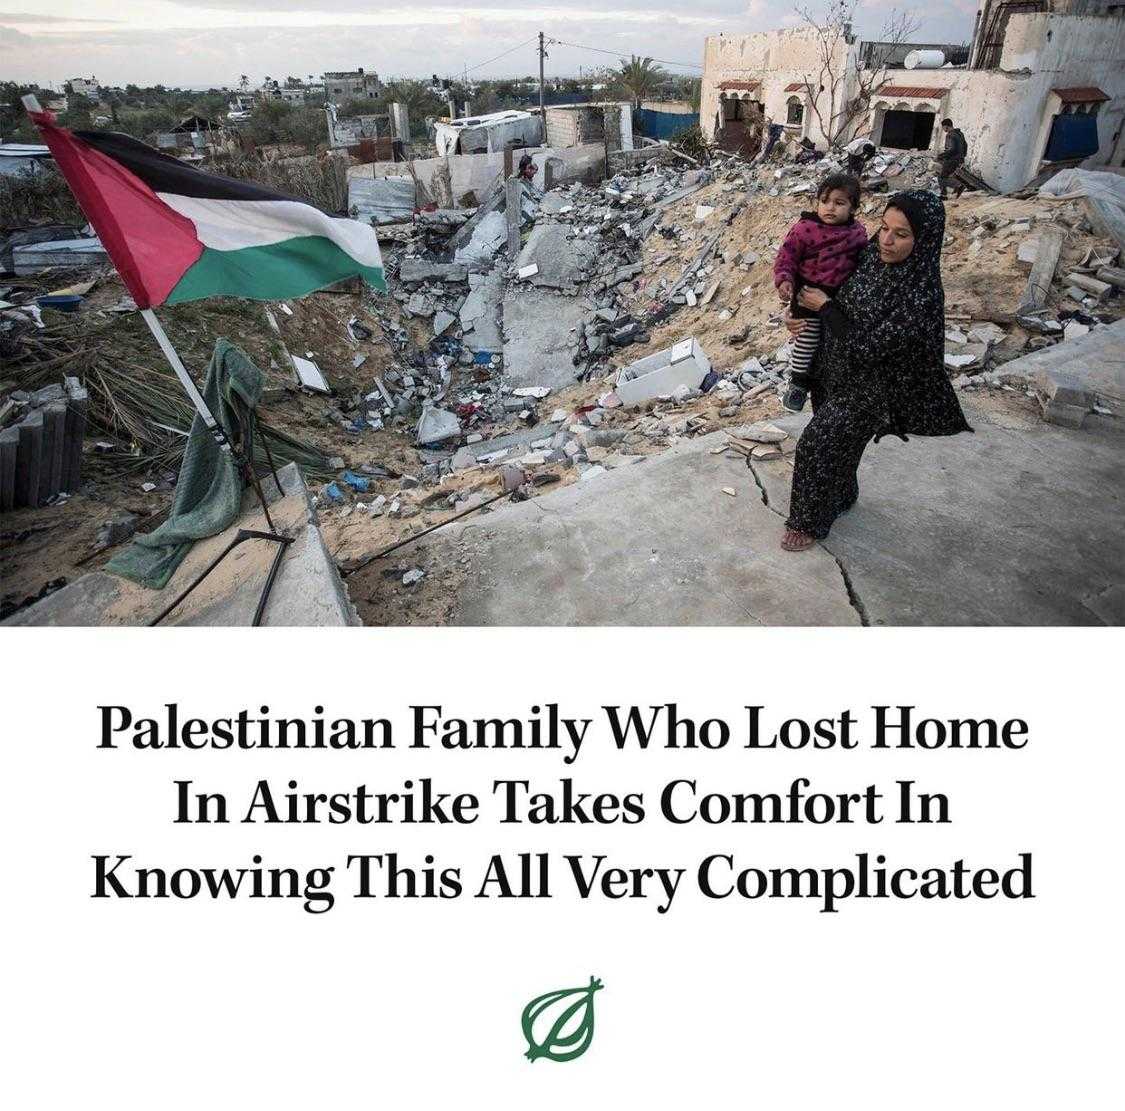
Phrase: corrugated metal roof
{"type": "Point", "coordinates": [794, 86]}
{"type": "Point", "coordinates": [24, 150]}
{"type": "Point", "coordinates": [1080, 94]}
{"type": "Point", "coordinates": [912, 91]}
{"type": "Point", "coordinates": [746, 86]}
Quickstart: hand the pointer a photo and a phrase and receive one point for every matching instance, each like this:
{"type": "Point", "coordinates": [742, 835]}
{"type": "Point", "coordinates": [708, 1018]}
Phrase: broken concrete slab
{"type": "Point", "coordinates": [488, 237]}
{"type": "Point", "coordinates": [539, 344]}
{"type": "Point", "coordinates": [690, 556]}
{"type": "Point", "coordinates": [658, 375]}
{"type": "Point", "coordinates": [472, 308]}
{"type": "Point", "coordinates": [73, 254]}
{"type": "Point", "coordinates": [509, 444]}
{"type": "Point", "coordinates": [308, 590]}
{"type": "Point", "coordinates": [422, 270]}
{"type": "Point", "coordinates": [1004, 526]}
{"type": "Point", "coordinates": [1075, 373]}
{"type": "Point", "coordinates": [485, 332]}
{"type": "Point", "coordinates": [1034, 297]}
{"type": "Point", "coordinates": [564, 262]}
{"type": "Point", "coordinates": [436, 426]}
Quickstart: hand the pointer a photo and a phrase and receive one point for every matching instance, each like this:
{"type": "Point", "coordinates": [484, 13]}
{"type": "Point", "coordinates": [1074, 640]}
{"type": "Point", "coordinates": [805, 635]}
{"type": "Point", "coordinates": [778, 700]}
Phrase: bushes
{"type": "Point", "coordinates": [277, 122]}
{"type": "Point", "coordinates": [692, 142]}
{"type": "Point", "coordinates": [42, 197]}
{"type": "Point", "coordinates": [323, 182]}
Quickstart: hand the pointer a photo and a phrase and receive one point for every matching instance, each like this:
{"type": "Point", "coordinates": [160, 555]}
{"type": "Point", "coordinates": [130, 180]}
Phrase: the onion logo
{"type": "Point", "coordinates": [560, 1024]}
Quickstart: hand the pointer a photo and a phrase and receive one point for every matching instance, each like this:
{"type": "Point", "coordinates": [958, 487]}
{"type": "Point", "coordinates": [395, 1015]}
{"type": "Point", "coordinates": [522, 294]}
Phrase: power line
{"type": "Point", "coordinates": [504, 55]}
{"type": "Point", "coordinates": [618, 54]}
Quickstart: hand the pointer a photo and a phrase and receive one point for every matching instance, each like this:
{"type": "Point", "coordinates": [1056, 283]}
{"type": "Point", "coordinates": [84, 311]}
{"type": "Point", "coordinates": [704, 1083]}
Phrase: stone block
{"type": "Point", "coordinates": [29, 459]}
{"type": "Point", "coordinates": [54, 449]}
{"type": "Point", "coordinates": [1064, 415]}
{"type": "Point", "coordinates": [422, 270]}
{"type": "Point", "coordinates": [77, 404]}
{"type": "Point", "coordinates": [9, 450]}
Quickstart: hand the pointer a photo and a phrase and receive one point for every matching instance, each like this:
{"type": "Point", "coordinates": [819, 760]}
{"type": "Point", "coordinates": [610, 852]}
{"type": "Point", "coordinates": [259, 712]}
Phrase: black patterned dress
{"type": "Point", "coordinates": [881, 369]}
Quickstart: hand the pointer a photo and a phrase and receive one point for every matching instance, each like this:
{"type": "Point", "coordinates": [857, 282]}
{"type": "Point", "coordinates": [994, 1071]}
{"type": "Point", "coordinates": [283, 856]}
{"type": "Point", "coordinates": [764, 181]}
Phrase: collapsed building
{"type": "Point", "coordinates": [1043, 87]}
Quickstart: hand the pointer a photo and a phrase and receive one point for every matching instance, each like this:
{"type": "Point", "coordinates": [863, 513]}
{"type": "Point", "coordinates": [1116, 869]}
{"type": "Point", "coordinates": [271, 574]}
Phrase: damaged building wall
{"type": "Point", "coordinates": [487, 134]}
{"type": "Point", "coordinates": [572, 125]}
{"type": "Point", "coordinates": [1007, 113]}
{"type": "Point", "coordinates": [1006, 110]}
{"type": "Point", "coordinates": [460, 180]}
{"type": "Point", "coordinates": [770, 62]}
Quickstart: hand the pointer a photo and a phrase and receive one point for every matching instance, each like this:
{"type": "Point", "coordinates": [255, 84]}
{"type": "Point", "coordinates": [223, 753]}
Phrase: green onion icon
{"type": "Point", "coordinates": [560, 1024]}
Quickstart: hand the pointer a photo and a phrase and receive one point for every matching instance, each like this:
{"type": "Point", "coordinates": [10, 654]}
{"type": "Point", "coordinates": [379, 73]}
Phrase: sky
{"type": "Point", "coordinates": [201, 43]}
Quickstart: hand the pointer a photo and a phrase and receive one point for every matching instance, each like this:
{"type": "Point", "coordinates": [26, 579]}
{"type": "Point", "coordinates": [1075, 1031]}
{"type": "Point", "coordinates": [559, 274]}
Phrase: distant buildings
{"type": "Point", "coordinates": [84, 86]}
{"type": "Point", "coordinates": [351, 84]}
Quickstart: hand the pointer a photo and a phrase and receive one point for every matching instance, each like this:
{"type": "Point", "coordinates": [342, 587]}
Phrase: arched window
{"type": "Point", "coordinates": [794, 111]}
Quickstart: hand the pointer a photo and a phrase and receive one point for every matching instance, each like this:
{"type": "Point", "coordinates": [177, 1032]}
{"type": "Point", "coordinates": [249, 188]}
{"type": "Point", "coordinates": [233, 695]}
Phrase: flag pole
{"type": "Point", "coordinates": [190, 388]}
{"type": "Point", "coordinates": [242, 461]}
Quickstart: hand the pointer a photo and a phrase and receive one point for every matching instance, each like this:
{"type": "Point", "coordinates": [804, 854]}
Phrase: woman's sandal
{"type": "Point", "coordinates": [795, 541]}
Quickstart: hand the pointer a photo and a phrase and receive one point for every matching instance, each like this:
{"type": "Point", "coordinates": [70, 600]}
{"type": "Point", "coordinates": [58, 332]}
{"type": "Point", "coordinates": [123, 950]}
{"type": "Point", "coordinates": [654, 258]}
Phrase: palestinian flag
{"type": "Point", "coordinates": [177, 234]}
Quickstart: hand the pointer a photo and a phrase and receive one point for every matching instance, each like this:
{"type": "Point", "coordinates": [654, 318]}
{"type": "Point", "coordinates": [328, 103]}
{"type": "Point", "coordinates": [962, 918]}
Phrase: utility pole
{"type": "Point", "coordinates": [542, 97]}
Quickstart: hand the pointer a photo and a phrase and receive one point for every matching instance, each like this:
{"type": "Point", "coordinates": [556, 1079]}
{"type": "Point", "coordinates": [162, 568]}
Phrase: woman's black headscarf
{"type": "Point", "coordinates": [892, 355]}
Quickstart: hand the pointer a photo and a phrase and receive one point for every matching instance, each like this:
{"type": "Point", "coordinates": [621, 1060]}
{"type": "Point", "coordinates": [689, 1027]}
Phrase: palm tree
{"type": "Point", "coordinates": [640, 76]}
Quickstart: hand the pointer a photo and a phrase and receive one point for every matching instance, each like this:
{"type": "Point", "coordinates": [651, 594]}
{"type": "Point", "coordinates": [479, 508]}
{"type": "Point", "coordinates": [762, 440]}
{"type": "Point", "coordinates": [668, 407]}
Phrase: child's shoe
{"type": "Point", "coordinates": [795, 398]}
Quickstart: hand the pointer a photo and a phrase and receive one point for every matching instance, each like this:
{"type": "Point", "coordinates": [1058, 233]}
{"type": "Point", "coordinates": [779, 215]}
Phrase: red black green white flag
{"type": "Point", "coordinates": [178, 234]}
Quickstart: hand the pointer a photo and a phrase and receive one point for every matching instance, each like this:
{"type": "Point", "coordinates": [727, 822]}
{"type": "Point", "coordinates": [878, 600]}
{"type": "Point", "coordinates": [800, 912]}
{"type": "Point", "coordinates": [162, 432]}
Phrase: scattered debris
{"type": "Point", "coordinates": [309, 376]}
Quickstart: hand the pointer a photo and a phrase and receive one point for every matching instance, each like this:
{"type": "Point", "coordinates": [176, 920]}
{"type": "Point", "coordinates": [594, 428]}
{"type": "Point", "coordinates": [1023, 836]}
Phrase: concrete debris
{"type": "Point", "coordinates": [435, 426]}
{"type": "Point", "coordinates": [116, 530]}
{"type": "Point", "coordinates": [764, 433]}
{"type": "Point", "coordinates": [34, 258]}
{"type": "Point", "coordinates": [956, 362]}
{"type": "Point", "coordinates": [686, 364]}
{"type": "Point", "coordinates": [487, 239]}
{"type": "Point", "coordinates": [309, 375]}
{"type": "Point", "coordinates": [41, 449]}
{"type": "Point", "coordinates": [560, 259]}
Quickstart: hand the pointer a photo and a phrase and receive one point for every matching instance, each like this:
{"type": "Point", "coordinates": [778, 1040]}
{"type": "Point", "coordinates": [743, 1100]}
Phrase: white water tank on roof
{"type": "Point", "coordinates": [925, 59]}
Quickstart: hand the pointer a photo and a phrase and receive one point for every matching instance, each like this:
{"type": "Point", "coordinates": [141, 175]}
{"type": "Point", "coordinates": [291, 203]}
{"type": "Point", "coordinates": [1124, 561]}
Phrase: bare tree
{"type": "Point", "coordinates": [841, 88]}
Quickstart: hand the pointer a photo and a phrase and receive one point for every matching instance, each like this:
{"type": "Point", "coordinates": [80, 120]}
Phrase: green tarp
{"type": "Point", "coordinates": [209, 490]}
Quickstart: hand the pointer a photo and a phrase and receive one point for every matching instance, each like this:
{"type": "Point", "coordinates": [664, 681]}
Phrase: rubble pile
{"type": "Point", "coordinates": [653, 257]}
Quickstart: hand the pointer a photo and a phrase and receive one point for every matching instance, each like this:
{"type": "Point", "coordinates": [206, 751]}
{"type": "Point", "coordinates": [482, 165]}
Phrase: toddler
{"type": "Point", "coordinates": [821, 250]}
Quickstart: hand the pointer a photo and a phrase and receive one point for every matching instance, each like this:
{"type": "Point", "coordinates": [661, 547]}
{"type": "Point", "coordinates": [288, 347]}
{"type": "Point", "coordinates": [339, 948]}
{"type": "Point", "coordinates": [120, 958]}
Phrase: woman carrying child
{"type": "Point", "coordinates": [882, 369]}
{"type": "Point", "coordinates": [820, 252]}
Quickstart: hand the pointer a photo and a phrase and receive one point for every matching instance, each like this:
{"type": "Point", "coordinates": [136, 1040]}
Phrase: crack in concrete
{"type": "Point", "coordinates": [761, 486]}
{"type": "Point", "coordinates": [853, 597]}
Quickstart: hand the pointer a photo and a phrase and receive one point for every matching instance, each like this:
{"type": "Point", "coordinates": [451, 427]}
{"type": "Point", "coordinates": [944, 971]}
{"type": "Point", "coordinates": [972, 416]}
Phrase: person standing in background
{"type": "Point", "coordinates": [952, 158]}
